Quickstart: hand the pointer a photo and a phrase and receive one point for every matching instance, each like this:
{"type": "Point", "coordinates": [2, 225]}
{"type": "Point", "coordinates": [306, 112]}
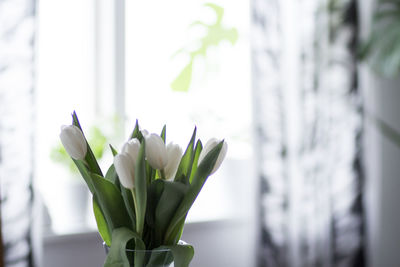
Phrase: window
{"type": "Point", "coordinates": [169, 80]}
{"type": "Point", "coordinates": [65, 81]}
{"type": "Point", "coordinates": [137, 60]}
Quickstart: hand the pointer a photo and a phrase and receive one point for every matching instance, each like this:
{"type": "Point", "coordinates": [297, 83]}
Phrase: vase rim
{"type": "Point", "coordinates": [142, 250]}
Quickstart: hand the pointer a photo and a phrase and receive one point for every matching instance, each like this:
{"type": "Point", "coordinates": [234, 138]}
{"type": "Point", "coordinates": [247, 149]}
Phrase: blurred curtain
{"type": "Point", "coordinates": [1, 244]}
{"type": "Point", "coordinates": [311, 180]}
{"type": "Point", "coordinates": [16, 129]}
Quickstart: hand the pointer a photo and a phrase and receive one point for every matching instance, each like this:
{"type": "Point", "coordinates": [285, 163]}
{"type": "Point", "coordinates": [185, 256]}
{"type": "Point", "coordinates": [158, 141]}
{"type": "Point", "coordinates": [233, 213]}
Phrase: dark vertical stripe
{"type": "Point", "coordinates": [1, 236]}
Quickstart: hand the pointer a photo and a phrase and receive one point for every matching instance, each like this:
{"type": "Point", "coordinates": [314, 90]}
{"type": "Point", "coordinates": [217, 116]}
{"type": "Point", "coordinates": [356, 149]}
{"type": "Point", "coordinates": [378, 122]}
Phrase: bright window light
{"type": "Point", "coordinates": [64, 71]}
{"type": "Point", "coordinates": [170, 44]}
{"type": "Point", "coordinates": [159, 44]}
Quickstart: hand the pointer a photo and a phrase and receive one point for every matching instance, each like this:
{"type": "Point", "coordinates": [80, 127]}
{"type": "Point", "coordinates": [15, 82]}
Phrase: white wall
{"type": "Point", "coordinates": [382, 162]}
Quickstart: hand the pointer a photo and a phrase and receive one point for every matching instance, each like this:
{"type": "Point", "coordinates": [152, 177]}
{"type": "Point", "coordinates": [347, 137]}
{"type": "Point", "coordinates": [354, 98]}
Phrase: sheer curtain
{"type": "Point", "coordinates": [308, 119]}
{"type": "Point", "coordinates": [16, 128]}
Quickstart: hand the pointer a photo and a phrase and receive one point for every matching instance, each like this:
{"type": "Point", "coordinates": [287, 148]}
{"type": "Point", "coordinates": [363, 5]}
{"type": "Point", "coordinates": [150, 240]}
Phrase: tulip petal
{"type": "Point", "coordinates": [174, 154]}
{"type": "Point", "coordinates": [132, 148]}
{"type": "Point", "coordinates": [73, 141]}
{"type": "Point", "coordinates": [156, 152]}
{"type": "Point", "coordinates": [213, 142]}
{"type": "Point", "coordinates": [221, 157]}
{"type": "Point", "coordinates": [125, 169]}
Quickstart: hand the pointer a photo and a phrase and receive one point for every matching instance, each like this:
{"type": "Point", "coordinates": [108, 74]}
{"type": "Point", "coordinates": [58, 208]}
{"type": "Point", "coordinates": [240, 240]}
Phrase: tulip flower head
{"type": "Point", "coordinates": [156, 152]}
{"type": "Point", "coordinates": [132, 148]}
{"type": "Point", "coordinates": [174, 154]}
{"type": "Point", "coordinates": [124, 166]}
{"type": "Point", "coordinates": [73, 141]}
{"type": "Point", "coordinates": [213, 142]}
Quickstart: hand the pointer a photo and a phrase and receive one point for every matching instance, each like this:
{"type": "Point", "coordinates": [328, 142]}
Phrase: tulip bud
{"type": "Point", "coordinates": [132, 148]}
{"type": "Point", "coordinates": [73, 141]}
{"type": "Point", "coordinates": [144, 132]}
{"type": "Point", "coordinates": [174, 154]}
{"type": "Point", "coordinates": [213, 142]}
{"type": "Point", "coordinates": [156, 152]}
{"type": "Point", "coordinates": [124, 166]}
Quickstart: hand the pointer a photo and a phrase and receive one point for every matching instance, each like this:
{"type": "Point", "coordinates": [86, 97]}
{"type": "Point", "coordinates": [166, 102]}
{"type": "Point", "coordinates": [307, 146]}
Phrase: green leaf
{"type": "Point", "coordinates": [215, 34]}
{"type": "Point", "coordinates": [153, 197]}
{"type": "Point", "coordinates": [117, 256]}
{"type": "Point", "coordinates": [170, 200]}
{"type": "Point", "coordinates": [177, 232]}
{"type": "Point", "coordinates": [182, 253]}
{"type": "Point", "coordinates": [383, 45]}
{"type": "Point", "coordinates": [186, 161]}
{"type": "Point", "coordinates": [112, 176]}
{"type": "Point", "coordinates": [111, 203]}
{"type": "Point", "coordinates": [129, 204]}
{"type": "Point", "coordinates": [89, 158]}
{"type": "Point", "coordinates": [101, 222]}
{"type": "Point", "coordinates": [149, 170]}
{"type": "Point", "coordinates": [184, 79]}
{"type": "Point", "coordinates": [195, 160]}
{"type": "Point", "coordinates": [160, 257]}
{"type": "Point", "coordinates": [113, 150]}
{"type": "Point", "coordinates": [136, 132]}
{"type": "Point", "coordinates": [84, 171]}
{"type": "Point", "coordinates": [151, 173]}
{"type": "Point", "coordinates": [200, 177]}
{"type": "Point", "coordinates": [219, 11]}
{"type": "Point", "coordinates": [140, 189]}
{"type": "Point", "coordinates": [163, 133]}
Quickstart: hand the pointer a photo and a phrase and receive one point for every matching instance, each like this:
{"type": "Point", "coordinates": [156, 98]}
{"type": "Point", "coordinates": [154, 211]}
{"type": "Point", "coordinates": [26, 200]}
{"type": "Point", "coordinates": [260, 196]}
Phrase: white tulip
{"type": "Point", "coordinates": [132, 148]}
{"type": "Point", "coordinates": [174, 154]}
{"type": "Point", "coordinates": [156, 152]}
{"type": "Point", "coordinates": [124, 166]}
{"type": "Point", "coordinates": [73, 141]}
{"type": "Point", "coordinates": [213, 142]}
{"type": "Point", "coordinates": [144, 132]}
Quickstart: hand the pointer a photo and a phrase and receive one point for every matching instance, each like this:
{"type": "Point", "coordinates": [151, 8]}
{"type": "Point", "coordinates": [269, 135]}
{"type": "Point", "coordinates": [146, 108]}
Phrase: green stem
{"type": "Point", "coordinates": [162, 174]}
{"type": "Point", "coordinates": [139, 226]}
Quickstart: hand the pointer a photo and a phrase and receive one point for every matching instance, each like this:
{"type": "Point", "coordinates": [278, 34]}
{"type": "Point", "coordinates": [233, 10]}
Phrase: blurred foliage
{"type": "Point", "coordinates": [215, 34]}
{"type": "Point", "coordinates": [97, 141]}
{"type": "Point", "coordinates": [382, 47]}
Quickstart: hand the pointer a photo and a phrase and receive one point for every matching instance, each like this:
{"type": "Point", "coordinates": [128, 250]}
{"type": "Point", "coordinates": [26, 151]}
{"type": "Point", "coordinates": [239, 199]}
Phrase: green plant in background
{"type": "Point", "coordinates": [142, 202]}
{"type": "Point", "coordinates": [97, 140]}
{"type": "Point", "coordinates": [382, 48]}
{"type": "Point", "coordinates": [383, 45]}
{"type": "Point", "coordinates": [215, 34]}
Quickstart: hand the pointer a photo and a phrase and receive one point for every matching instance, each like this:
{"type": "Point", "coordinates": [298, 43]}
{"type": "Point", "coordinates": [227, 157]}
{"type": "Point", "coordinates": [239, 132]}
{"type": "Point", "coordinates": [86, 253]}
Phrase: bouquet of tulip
{"type": "Point", "coordinates": [142, 201]}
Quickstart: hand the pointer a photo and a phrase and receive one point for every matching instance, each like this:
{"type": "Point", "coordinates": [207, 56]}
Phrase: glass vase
{"type": "Point", "coordinates": [148, 258]}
